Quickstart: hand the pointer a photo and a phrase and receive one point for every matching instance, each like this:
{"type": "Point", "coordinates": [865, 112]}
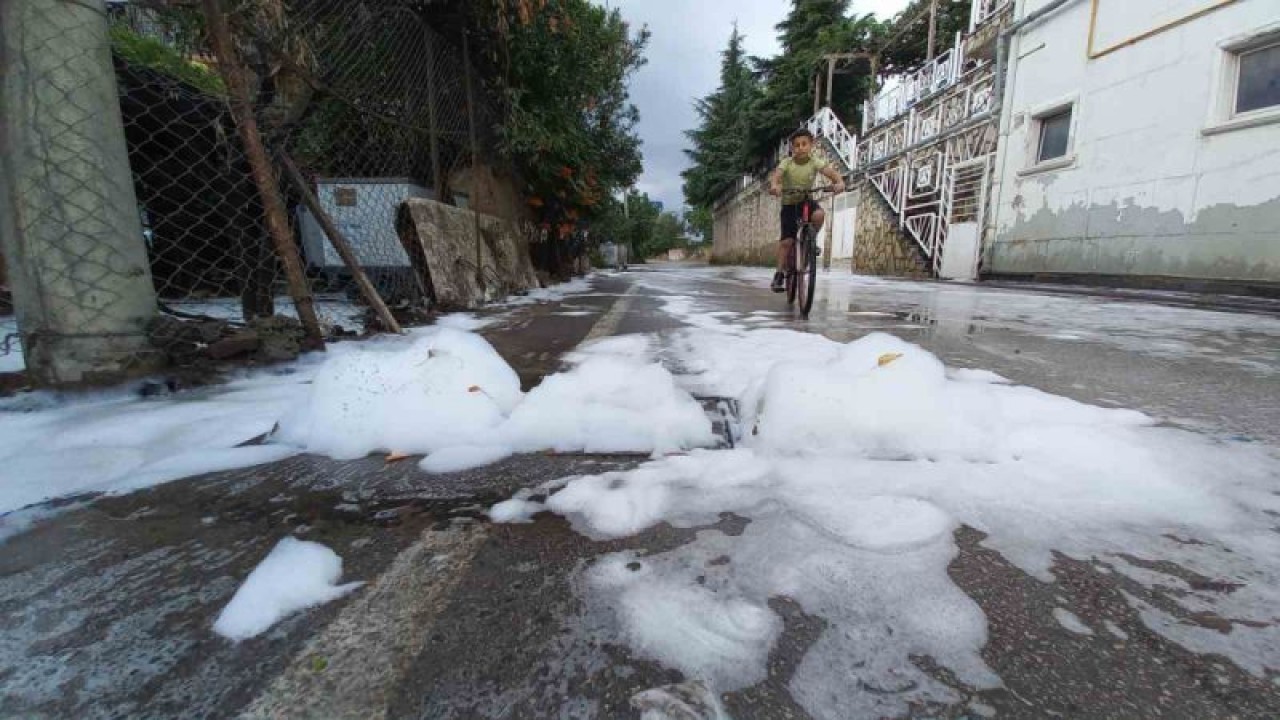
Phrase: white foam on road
{"type": "Point", "coordinates": [464, 457]}
{"type": "Point", "coordinates": [409, 393]}
{"type": "Point", "coordinates": [54, 445]}
{"type": "Point", "coordinates": [451, 396]}
{"type": "Point", "coordinates": [295, 575]}
{"type": "Point", "coordinates": [609, 403]}
{"type": "Point", "coordinates": [515, 510]}
{"type": "Point", "coordinates": [858, 462]}
{"type": "Point", "coordinates": [553, 293]}
{"type": "Point", "coordinates": [720, 637]}
{"type": "Point", "coordinates": [447, 388]}
{"type": "Point", "coordinates": [1069, 621]}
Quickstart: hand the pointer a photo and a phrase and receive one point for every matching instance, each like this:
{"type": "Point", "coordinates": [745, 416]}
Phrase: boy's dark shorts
{"type": "Point", "coordinates": [791, 218]}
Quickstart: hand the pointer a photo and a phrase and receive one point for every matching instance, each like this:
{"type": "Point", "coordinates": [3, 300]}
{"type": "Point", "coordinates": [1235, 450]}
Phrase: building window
{"type": "Point", "coordinates": [1055, 135]}
{"type": "Point", "coordinates": [1247, 82]}
{"type": "Point", "coordinates": [1257, 84]}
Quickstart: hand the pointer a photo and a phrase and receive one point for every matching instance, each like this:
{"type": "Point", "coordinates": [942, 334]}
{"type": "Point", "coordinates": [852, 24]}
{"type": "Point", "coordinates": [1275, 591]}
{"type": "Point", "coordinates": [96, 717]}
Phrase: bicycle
{"type": "Point", "coordinates": [802, 263]}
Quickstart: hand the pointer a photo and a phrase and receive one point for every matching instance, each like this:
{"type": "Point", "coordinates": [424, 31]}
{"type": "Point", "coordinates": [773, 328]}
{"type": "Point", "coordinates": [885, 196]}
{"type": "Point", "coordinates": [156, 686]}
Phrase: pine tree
{"type": "Point", "coordinates": [720, 151]}
{"type": "Point", "coordinates": [811, 30]}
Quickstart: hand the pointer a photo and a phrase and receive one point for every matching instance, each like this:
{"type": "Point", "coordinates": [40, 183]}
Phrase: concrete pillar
{"type": "Point", "coordinates": [69, 223]}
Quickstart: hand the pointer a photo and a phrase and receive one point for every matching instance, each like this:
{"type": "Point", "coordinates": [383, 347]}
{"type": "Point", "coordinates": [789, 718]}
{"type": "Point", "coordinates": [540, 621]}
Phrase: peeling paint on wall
{"type": "Point", "coordinates": [1223, 242]}
{"type": "Point", "coordinates": [1148, 187]}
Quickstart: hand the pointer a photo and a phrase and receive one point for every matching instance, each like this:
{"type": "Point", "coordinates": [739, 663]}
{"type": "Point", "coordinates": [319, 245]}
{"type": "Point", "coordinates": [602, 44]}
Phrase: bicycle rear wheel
{"type": "Point", "coordinates": [806, 276]}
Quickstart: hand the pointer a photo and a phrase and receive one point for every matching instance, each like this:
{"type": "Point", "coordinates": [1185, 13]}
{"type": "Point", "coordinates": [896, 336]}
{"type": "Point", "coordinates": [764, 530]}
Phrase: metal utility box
{"type": "Point", "coordinates": [364, 209]}
{"type": "Point", "coordinates": [614, 255]}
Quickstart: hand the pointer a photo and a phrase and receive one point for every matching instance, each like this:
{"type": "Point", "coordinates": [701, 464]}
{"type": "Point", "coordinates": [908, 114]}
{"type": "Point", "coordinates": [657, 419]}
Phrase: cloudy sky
{"type": "Point", "coordinates": [684, 63]}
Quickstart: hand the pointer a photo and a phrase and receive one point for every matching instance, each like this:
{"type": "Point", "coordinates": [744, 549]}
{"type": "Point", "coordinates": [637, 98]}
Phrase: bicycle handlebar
{"type": "Point", "coordinates": [810, 193]}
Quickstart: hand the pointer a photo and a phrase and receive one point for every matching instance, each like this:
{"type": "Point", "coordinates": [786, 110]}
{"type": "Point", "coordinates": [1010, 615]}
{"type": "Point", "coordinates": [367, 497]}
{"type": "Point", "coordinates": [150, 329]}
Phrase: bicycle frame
{"type": "Point", "coordinates": [801, 265]}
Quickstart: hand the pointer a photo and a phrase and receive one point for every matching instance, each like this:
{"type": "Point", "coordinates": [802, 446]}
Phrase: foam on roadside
{"type": "Point", "coordinates": [1071, 622]}
{"type": "Point", "coordinates": [451, 396]}
{"type": "Point", "coordinates": [463, 457]}
{"type": "Point", "coordinates": [515, 510]}
{"type": "Point", "coordinates": [53, 445]}
{"type": "Point", "coordinates": [295, 575]}
{"type": "Point", "coordinates": [432, 389]}
{"type": "Point", "coordinates": [448, 388]}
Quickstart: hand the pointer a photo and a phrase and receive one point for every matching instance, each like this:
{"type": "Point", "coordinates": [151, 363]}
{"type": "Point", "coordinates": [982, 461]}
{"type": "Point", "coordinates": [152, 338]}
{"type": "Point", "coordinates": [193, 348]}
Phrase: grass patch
{"type": "Point", "coordinates": [151, 53]}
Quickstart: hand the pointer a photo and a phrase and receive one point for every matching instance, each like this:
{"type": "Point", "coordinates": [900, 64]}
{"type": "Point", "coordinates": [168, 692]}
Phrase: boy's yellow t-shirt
{"type": "Point", "coordinates": [797, 178]}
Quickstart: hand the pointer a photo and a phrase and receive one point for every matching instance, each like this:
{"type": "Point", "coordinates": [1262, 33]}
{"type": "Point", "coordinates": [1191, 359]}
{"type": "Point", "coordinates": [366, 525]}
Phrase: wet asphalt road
{"type": "Point", "coordinates": [105, 610]}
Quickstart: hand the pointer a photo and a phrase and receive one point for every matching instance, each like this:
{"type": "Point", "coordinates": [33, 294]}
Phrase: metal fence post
{"type": "Point", "coordinates": [69, 218]}
{"type": "Point", "coordinates": [277, 217]}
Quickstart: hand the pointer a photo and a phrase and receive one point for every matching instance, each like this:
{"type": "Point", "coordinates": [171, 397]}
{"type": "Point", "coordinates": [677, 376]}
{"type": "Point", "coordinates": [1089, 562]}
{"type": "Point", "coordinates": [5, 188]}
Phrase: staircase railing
{"type": "Point", "coordinates": [826, 126]}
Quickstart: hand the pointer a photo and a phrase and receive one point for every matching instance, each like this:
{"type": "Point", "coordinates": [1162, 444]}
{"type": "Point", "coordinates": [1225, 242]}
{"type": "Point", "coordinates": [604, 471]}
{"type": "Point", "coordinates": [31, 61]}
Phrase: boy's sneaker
{"type": "Point", "coordinates": [778, 284]}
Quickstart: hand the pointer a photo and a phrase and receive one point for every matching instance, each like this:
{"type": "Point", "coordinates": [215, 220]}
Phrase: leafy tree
{"type": "Point", "coordinates": [700, 222]}
{"type": "Point", "coordinates": [561, 67]}
{"type": "Point", "coordinates": [905, 41]}
{"type": "Point", "coordinates": [667, 233]}
{"type": "Point", "coordinates": [642, 215]}
{"type": "Point", "coordinates": [636, 221]}
{"type": "Point", "coordinates": [811, 30]}
{"type": "Point", "coordinates": [720, 150]}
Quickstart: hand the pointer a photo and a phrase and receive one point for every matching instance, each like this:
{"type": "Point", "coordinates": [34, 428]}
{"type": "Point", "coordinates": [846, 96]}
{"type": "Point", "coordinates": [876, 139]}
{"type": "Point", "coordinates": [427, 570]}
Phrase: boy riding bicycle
{"type": "Point", "coordinates": [792, 181]}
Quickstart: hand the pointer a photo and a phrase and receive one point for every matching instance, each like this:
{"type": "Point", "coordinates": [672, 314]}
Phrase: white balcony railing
{"type": "Point", "coordinates": [983, 10]}
{"type": "Point", "coordinates": [971, 96]}
{"type": "Point", "coordinates": [906, 90]}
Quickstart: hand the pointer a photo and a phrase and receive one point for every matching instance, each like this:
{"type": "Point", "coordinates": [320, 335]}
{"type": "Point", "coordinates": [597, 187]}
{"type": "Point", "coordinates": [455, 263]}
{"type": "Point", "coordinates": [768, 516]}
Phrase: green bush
{"type": "Point", "coordinates": [151, 53]}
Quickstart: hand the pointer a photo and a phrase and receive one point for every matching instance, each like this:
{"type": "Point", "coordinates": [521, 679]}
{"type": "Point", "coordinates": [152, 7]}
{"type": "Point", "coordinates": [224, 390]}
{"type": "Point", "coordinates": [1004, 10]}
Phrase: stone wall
{"type": "Point", "coordinates": [746, 228]}
{"type": "Point", "coordinates": [443, 247]}
{"type": "Point", "coordinates": [880, 247]}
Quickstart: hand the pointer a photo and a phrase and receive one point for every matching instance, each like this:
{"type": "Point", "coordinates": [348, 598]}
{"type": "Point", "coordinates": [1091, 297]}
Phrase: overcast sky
{"type": "Point", "coordinates": [684, 63]}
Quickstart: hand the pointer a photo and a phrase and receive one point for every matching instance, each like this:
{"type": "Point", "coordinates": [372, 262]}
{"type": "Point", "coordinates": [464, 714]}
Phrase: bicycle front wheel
{"type": "Point", "coordinates": [806, 261]}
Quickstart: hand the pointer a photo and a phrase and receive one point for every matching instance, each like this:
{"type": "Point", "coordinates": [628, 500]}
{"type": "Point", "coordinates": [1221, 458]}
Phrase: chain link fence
{"type": "Point", "coordinates": [371, 103]}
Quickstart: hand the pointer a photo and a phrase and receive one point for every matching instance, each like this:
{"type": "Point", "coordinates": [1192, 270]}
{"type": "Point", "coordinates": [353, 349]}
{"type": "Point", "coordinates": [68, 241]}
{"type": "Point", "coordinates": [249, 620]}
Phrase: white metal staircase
{"type": "Point", "coordinates": [839, 144]}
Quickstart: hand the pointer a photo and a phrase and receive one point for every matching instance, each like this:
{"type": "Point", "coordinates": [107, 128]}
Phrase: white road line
{"type": "Point", "coordinates": [352, 668]}
{"type": "Point", "coordinates": [608, 323]}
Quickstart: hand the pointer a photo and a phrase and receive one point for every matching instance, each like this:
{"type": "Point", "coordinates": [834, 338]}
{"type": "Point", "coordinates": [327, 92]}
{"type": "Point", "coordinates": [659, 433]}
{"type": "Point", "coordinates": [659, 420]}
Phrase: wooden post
{"type": "Point", "coordinates": [273, 206]}
{"type": "Point", "coordinates": [933, 27]}
{"type": "Point", "coordinates": [475, 158]}
{"type": "Point", "coordinates": [831, 76]}
{"type": "Point", "coordinates": [340, 243]}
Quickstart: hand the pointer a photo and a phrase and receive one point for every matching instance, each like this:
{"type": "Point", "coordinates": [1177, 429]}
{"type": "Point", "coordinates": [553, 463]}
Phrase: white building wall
{"type": "Point", "coordinates": [843, 219]}
{"type": "Point", "coordinates": [1147, 189]}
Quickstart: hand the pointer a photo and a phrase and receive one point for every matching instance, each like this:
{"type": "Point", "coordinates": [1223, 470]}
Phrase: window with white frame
{"type": "Point", "coordinates": [1248, 82]}
{"type": "Point", "coordinates": [1257, 79]}
{"type": "Point", "coordinates": [1055, 135]}
{"type": "Point", "coordinates": [1051, 136]}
